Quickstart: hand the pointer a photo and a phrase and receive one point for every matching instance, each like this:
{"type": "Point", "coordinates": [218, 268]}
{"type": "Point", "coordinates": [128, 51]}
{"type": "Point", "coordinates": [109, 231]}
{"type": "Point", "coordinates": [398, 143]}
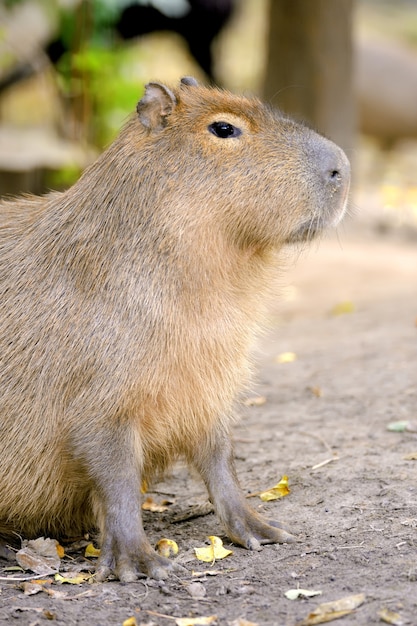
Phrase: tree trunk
{"type": "Point", "coordinates": [309, 66]}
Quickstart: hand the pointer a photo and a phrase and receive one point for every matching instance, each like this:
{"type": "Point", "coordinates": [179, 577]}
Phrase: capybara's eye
{"type": "Point", "coordinates": [224, 130]}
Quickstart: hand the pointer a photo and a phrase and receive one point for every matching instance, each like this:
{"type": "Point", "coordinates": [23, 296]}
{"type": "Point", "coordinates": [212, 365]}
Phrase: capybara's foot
{"type": "Point", "coordinates": [250, 530]}
{"type": "Point", "coordinates": [243, 525]}
{"type": "Point", "coordinates": [128, 568]}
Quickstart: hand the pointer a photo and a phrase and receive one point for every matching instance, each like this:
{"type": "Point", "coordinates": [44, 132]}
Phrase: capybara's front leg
{"type": "Point", "coordinates": [116, 473]}
{"type": "Point", "coordinates": [243, 525]}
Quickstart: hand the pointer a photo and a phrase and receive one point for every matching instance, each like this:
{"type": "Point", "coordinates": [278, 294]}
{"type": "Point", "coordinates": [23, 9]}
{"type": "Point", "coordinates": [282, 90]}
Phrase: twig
{"type": "Point", "coordinates": [322, 441]}
{"type": "Point", "coordinates": [333, 458]}
{"type": "Point", "coordinates": [199, 510]}
{"type": "Point", "coordinates": [22, 578]}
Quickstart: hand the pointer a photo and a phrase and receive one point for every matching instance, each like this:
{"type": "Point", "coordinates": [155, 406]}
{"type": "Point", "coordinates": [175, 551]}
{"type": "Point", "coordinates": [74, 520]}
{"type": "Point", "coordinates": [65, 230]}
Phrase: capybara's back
{"type": "Point", "coordinates": [128, 305]}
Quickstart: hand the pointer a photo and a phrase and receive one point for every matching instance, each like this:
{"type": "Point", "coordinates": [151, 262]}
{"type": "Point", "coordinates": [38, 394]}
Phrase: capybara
{"type": "Point", "coordinates": [386, 90]}
{"type": "Point", "coordinates": [128, 307]}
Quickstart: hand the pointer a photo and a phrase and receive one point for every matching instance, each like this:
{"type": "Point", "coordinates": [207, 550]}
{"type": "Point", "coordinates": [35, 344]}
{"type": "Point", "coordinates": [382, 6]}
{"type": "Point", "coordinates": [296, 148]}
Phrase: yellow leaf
{"type": "Point", "coordinates": [76, 579]}
{"type": "Point", "coordinates": [91, 551]}
{"type": "Point", "coordinates": [286, 357]}
{"type": "Point", "coordinates": [343, 307]}
{"type": "Point", "coordinates": [60, 550]}
{"type": "Point", "coordinates": [150, 505]}
{"type": "Point", "coordinates": [42, 581]}
{"type": "Point", "coordinates": [130, 621]}
{"type": "Point", "coordinates": [167, 547]}
{"type": "Point", "coordinates": [329, 611]}
{"type": "Point", "coordinates": [213, 552]}
{"type": "Point", "coordinates": [411, 457]}
{"type": "Point", "coordinates": [195, 621]}
{"type": "Point", "coordinates": [280, 490]}
{"type": "Point", "coordinates": [389, 617]}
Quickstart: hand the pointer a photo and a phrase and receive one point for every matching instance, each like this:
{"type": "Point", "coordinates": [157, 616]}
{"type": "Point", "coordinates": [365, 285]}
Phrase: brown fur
{"type": "Point", "coordinates": [128, 305]}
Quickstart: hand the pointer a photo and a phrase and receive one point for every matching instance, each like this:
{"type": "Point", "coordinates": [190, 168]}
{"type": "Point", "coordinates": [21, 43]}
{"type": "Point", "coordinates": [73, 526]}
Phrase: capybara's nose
{"type": "Point", "coordinates": [334, 166]}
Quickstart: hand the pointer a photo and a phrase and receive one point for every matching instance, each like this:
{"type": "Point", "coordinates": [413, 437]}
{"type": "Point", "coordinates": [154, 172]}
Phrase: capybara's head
{"type": "Point", "coordinates": [234, 163]}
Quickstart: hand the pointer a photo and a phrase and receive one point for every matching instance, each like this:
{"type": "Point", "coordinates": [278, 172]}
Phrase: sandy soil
{"type": "Point", "coordinates": [355, 515]}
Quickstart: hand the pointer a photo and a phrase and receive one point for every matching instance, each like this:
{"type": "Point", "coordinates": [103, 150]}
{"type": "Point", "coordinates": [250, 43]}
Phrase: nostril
{"type": "Point", "coordinates": [332, 165]}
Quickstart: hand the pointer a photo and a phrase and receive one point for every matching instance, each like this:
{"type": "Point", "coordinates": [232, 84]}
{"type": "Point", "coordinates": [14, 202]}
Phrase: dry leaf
{"type": "Point", "coordinates": [73, 579]}
{"type": "Point", "coordinates": [280, 490]}
{"type": "Point", "coordinates": [389, 617]}
{"type": "Point", "coordinates": [242, 622]}
{"type": "Point", "coordinates": [195, 621]}
{"type": "Point", "coordinates": [286, 357]}
{"type": "Point", "coordinates": [49, 615]}
{"type": "Point", "coordinates": [60, 550]}
{"type": "Point", "coordinates": [31, 588]}
{"type": "Point", "coordinates": [150, 505]}
{"type": "Point", "coordinates": [329, 611]}
{"type": "Point", "coordinates": [342, 308]}
{"type": "Point", "coordinates": [255, 401]}
{"type": "Point", "coordinates": [411, 457]}
{"type": "Point", "coordinates": [316, 391]}
{"type": "Point", "coordinates": [293, 594]}
{"type": "Point", "coordinates": [40, 556]}
{"type": "Point", "coordinates": [91, 551]}
{"type": "Point", "coordinates": [402, 426]}
{"type": "Point", "coordinates": [167, 547]}
{"type": "Point", "coordinates": [213, 552]}
{"type": "Point", "coordinates": [130, 621]}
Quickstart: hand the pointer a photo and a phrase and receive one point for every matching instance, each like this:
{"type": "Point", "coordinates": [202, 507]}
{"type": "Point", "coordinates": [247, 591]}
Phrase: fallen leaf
{"type": "Point", "coordinates": [411, 457]}
{"type": "Point", "coordinates": [213, 552]}
{"type": "Point", "coordinates": [46, 547]}
{"type": "Point", "coordinates": [398, 427]}
{"type": "Point", "coordinates": [293, 594]}
{"type": "Point", "coordinates": [329, 611]}
{"type": "Point", "coordinates": [316, 391]}
{"type": "Point", "coordinates": [130, 621]}
{"type": "Point", "coordinates": [255, 401]}
{"type": "Point", "coordinates": [40, 556]}
{"type": "Point", "coordinates": [280, 490]}
{"type": "Point", "coordinates": [211, 572]}
{"type": "Point", "coordinates": [343, 307]}
{"type": "Point", "coordinates": [389, 617]}
{"type": "Point", "coordinates": [242, 622]}
{"type": "Point", "coordinates": [31, 588]}
{"type": "Point", "coordinates": [167, 547]}
{"type": "Point", "coordinates": [150, 505]}
{"type": "Point", "coordinates": [49, 615]}
{"type": "Point", "coordinates": [286, 357]}
{"type": "Point", "coordinates": [73, 579]}
{"type": "Point", "coordinates": [195, 621]}
{"type": "Point", "coordinates": [91, 551]}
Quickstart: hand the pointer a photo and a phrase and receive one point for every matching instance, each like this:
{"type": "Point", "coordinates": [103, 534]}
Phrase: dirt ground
{"type": "Point", "coordinates": [353, 500]}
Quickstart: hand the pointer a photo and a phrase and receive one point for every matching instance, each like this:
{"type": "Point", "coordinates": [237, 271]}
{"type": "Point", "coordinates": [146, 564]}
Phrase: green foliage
{"type": "Point", "coordinates": [102, 78]}
{"type": "Point", "coordinates": [97, 72]}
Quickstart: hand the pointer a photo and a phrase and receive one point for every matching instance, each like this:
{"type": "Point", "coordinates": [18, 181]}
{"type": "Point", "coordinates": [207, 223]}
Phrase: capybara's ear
{"type": "Point", "coordinates": [188, 81]}
{"type": "Point", "coordinates": [155, 106]}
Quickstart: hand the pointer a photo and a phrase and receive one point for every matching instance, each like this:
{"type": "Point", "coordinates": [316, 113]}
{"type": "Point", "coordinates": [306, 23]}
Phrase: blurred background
{"type": "Point", "coordinates": [71, 71]}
